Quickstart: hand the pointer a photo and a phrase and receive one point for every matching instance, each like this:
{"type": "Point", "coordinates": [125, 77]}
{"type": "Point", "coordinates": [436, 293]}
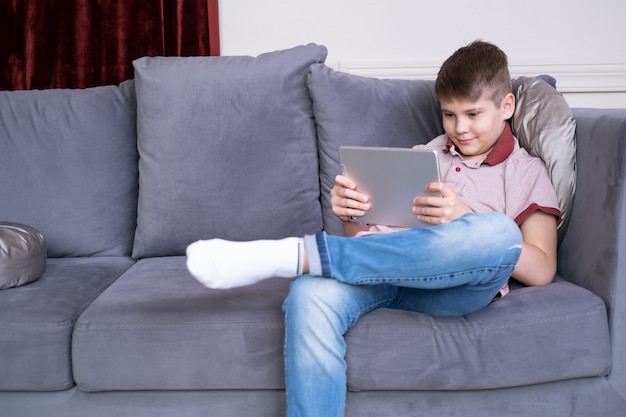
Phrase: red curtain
{"type": "Point", "coordinates": [85, 43]}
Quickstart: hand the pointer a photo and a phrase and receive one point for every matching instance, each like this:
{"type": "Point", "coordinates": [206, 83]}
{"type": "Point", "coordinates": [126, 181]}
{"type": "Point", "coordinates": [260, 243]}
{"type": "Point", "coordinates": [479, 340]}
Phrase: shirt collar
{"type": "Point", "coordinates": [502, 149]}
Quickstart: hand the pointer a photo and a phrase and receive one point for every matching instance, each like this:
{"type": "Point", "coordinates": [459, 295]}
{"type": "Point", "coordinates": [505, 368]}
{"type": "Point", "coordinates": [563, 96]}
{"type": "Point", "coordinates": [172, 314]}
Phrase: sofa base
{"type": "Point", "coordinates": [574, 398]}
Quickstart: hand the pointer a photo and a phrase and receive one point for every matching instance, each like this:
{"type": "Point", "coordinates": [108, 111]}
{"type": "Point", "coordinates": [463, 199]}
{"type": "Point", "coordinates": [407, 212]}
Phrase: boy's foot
{"type": "Point", "coordinates": [223, 264]}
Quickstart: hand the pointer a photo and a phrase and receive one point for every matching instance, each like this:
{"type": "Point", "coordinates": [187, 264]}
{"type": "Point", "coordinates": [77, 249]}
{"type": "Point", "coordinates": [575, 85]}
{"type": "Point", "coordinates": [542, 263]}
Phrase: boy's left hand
{"type": "Point", "coordinates": [439, 209]}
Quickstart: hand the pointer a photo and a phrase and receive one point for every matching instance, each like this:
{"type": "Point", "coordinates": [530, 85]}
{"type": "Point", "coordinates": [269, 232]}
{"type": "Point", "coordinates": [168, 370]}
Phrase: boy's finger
{"type": "Point", "coordinates": [357, 196]}
{"type": "Point", "coordinates": [437, 187]}
{"type": "Point", "coordinates": [345, 182]}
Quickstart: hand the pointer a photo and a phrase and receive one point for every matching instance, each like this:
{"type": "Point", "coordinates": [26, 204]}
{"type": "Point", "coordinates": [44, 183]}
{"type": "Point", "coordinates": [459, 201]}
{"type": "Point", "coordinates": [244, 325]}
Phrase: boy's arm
{"type": "Point", "coordinates": [537, 263]}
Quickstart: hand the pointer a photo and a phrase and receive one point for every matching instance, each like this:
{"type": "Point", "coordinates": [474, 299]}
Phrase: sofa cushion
{"type": "Point", "coordinates": [157, 328]}
{"type": "Point", "coordinates": [68, 167]}
{"type": "Point", "coordinates": [531, 336]}
{"type": "Point", "coordinates": [36, 321]}
{"type": "Point", "coordinates": [22, 254]}
{"type": "Point", "coordinates": [355, 110]}
{"type": "Point", "coordinates": [227, 149]}
{"type": "Point", "coordinates": [545, 126]}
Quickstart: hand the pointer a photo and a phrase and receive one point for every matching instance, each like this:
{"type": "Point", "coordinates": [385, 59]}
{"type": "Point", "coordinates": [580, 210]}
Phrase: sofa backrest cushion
{"type": "Point", "coordinates": [355, 110]}
{"type": "Point", "coordinates": [227, 149]}
{"type": "Point", "coordinates": [68, 167]}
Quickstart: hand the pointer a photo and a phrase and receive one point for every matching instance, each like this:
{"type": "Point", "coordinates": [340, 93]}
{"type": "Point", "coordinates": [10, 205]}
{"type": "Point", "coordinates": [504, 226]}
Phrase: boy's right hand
{"type": "Point", "coordinates": [345, 201]}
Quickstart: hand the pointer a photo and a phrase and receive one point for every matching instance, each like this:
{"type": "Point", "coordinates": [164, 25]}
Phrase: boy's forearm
{"type": "Point", "coordinates": [534, 267]}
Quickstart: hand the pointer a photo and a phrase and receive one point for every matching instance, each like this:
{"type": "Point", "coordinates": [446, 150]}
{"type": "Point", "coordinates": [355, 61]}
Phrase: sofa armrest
{"type": "Point", "coordinates": [596, 237]}
{"type": "Point", "coordinates": [588, 255]}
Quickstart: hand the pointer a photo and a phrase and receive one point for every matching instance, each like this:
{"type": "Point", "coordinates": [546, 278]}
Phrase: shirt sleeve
{"type": "Point", "coordinates": [529, 189]}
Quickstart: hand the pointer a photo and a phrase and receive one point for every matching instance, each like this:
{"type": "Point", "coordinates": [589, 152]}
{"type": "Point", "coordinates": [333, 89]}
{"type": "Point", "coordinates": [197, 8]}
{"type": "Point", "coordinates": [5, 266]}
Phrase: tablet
{"type": "Point", "coordinates": [391, 177]}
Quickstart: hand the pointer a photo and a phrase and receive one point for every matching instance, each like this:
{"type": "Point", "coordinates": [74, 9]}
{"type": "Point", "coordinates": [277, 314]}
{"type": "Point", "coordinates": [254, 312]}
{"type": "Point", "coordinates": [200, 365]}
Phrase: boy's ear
{"type": "Point", "coordinates": [508, 106]}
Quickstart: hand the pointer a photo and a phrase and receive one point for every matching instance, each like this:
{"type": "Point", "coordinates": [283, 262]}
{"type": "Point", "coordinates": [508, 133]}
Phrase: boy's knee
{"type": "Point", "coordinates": [314, 298]}
{"type": "Point", "coordinates": [304, 293]}
{"type": "Point", "coordinates": [496, 226]}
{"type": "Point", "coordinates": [507, 228]}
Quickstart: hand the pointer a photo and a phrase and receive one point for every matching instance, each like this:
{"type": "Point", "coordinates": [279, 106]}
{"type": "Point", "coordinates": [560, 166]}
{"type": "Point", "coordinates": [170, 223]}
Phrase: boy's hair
{"type": "Point", "coordinates": [473, 70]}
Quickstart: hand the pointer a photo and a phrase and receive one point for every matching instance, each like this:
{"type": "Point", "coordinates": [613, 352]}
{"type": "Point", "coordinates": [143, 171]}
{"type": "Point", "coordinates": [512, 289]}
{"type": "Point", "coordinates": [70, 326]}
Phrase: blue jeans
{"type": "Point", "coordinates": [447, 270]}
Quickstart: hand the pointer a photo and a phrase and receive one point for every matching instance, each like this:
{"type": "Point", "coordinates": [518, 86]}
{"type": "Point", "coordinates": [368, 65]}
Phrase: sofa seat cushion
{"type": "Point", "coordinates": [36, 321]}
{"type": "Point", "coordinates": [533, 335]}
{"type": "Point", "coordinates": [157, 328]}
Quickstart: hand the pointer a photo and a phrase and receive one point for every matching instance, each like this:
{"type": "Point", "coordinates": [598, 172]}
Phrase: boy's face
{"type": "Point", "coordinates": [475, 126]}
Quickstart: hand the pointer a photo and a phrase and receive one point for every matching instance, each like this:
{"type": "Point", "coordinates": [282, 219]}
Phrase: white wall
{"type": "Point", "coordinates": [581, 43]}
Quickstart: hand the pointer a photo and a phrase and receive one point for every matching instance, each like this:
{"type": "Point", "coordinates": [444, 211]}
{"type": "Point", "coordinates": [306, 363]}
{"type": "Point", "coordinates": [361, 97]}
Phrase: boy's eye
{"type": "Point", "coordinates": [448, 115]}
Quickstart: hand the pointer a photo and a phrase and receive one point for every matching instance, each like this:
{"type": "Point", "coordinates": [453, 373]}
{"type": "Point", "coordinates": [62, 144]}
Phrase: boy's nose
{"type": "Point", "coordinates": [461, 126]}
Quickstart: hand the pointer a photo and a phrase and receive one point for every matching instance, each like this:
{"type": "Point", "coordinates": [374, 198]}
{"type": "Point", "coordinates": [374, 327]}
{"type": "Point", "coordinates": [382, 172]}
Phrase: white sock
{"type": "Point", "coordinates": [223, 264]}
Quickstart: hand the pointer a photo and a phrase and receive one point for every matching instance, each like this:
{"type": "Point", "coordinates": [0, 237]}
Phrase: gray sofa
{"type": "Point", "coordinates": [119, 179]}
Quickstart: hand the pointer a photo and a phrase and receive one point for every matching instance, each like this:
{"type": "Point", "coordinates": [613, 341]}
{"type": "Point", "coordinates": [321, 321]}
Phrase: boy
{"type": "Point", "coordinates": [495, 218]}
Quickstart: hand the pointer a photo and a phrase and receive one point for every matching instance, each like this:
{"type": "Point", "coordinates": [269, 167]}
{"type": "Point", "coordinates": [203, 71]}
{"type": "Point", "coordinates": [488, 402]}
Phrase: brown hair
{"type": "Point", "coordinates": [476, 69]}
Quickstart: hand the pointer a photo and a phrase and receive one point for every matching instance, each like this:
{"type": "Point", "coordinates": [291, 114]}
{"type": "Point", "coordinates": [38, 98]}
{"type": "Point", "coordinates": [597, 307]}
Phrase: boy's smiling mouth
{"type": "Point", "coordinates": [464, 141]}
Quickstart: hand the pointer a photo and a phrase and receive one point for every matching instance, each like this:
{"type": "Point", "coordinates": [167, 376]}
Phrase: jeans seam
{"type": "Point", "coordinates": [387, 280]}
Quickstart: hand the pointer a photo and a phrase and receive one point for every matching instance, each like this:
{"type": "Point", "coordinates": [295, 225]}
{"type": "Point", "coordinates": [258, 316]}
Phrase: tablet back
{"type": "Point", "coordinates": [391, 177]}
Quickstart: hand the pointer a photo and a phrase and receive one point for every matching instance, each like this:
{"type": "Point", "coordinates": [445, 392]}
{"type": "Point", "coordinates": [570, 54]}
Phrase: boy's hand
{"type": "Point", "coordinates": [439, 209]}
{"type": "Point", "coordinates": [345, 201]}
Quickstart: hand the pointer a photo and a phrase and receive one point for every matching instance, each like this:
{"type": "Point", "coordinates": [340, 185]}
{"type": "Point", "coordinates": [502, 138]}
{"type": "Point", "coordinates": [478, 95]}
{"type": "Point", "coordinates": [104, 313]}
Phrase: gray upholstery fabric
{"type": "Point", "coordinates": [227, 149]}
{"type": "Point", "coordinates": [77, 403]}
{"type": "Point", "coordinates": [354, 110]}
{"type": "Point", "coordinates": [586, 397]}
{"type": "Point", "coordinates": [36, 321]}
{"type": "Point", "coordinates": [22, 254]}
{"type": "Point", "coordinates": [68, 167]}
{"type": "Point", "coordinates": [572, 398]}
{"type": "Point", "coordinates": [545, 126]}
{"type": "Point", "coordinates": [531, 336]}
{"type": "Point", "coordinates": [206, 339]}
{"type": "Point", "coordinates": [592, 252]}
{"type": "Point", "coordinates": [158, 328]}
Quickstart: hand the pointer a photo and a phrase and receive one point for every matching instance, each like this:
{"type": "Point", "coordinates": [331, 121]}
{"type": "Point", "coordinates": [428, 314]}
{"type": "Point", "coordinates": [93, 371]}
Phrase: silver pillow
{"type": "Point", "coordinates": [544, 124]}
{"type": "Point", "coordinates": [22, 254]}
